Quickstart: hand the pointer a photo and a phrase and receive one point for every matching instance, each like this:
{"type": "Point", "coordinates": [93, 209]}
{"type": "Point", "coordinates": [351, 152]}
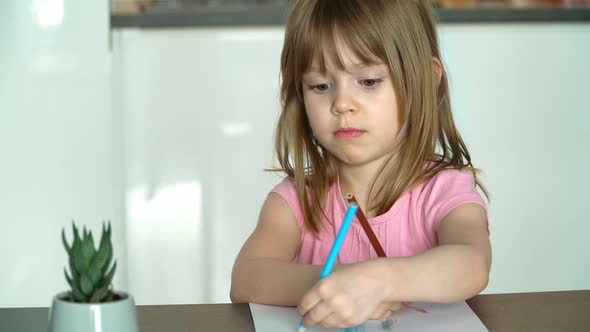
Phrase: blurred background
{"type": "Point", "coordinates": [137, 6]}
{"type": "Point", "coordinates": [159, 116]}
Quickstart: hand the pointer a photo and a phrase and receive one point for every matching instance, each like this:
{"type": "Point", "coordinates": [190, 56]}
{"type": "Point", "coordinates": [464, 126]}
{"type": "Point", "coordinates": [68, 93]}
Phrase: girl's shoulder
{"type": "Point", "coordinates": [436, 197]}
{"type": "Point", "coordinates": [450, 179]}
{"type": "Point", "coordinates": [288, 191]}
{"type": "Point", "coordinates": [448, 186]}
{"type": "Point", "coordinates": [446, 190]}
{"type": "Point", "coordinates": [286, 188]}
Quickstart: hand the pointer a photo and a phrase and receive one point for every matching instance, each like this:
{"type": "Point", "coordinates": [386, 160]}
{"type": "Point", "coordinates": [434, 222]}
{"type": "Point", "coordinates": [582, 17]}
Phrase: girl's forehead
{"type": "Point", "coordinates": [339, 52]}
{"type": "Point", "coordinates": [335, 47]}
{"type": "Point", "coordinates": [346, 61]}
{"type": "Point", "coordinates": [348, 67]}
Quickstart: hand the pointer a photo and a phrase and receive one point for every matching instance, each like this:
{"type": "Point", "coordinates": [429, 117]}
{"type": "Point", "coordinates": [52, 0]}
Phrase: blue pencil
{"type": "Point", "coordinates": [331, 260]}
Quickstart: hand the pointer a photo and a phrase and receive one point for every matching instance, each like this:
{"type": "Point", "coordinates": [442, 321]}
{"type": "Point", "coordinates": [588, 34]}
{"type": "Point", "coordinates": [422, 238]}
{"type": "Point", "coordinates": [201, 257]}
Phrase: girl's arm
{"type": "Point", "coordinates": [455, 270]}
{"type": "Point", "coordinates": [264, 271]}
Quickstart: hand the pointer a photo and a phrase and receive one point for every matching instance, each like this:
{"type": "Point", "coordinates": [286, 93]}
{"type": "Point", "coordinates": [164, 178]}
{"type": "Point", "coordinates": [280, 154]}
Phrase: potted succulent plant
{"type": "Point", "coordinates": [91, 304]}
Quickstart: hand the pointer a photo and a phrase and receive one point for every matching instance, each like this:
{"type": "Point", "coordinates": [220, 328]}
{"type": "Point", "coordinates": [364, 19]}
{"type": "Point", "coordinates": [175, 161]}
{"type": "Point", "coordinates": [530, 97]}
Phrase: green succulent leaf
{"type": "Point", "coordinates": [91, 245]}
{"type": "Point", "coordinates": [79, 263]}
{"type": "Point", "coordinates": [65, 242]}
{"type": "Point", "coordinates": [94, 273]}
{"type": "Point", "coordinates": [87, 249]}
{"type": "Point", "coordinates": [75, 232]}
{"type": "Point", "coordinates": [77, 295]}
{"type": "Point", "coordinates": [109, 259]}
{"type": "Point", "coordinates": [76, 279]}
{"type": "Point", "coordinates": [104, 253]}
{"type": "Point", "coordinates": [70, 281]}
{"type": "Point", "coordinates": [86, 285]}
{"type": "Point", "coordinates": [109, 277]}
{"type": "Point", "coordinates": [73, 269]}
{"type": "Point", "coordinates": [100, 294]}
{"type": "Point", "coordinates": [109, 232]}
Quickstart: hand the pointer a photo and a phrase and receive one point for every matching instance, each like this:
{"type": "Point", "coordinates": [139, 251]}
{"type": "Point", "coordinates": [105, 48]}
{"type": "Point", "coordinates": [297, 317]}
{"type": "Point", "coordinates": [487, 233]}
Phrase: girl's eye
{"type": "Point", "coordinates": [322, 87]}
{"type": "Point", "coordinates": [369, 83]}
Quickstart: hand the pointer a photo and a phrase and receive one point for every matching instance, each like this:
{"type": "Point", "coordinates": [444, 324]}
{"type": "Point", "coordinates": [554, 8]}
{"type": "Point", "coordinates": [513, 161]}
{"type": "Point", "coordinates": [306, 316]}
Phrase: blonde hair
{"type": "Point", "coordinates": [401, 34]}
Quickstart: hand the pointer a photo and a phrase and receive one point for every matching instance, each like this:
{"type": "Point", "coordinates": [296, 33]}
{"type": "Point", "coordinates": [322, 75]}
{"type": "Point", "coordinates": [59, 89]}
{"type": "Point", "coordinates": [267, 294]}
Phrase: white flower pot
{"type": "Point", "coordinates": [115, 316]}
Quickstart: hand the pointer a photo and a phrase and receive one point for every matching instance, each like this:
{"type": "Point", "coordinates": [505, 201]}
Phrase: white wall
{"type": "Point", "coordinates": [520, 96]}
{"type": "Point", "coordinates": [199, 109]}
{"type": "Point", "coordinates": [58, 144]}
{"type": "Point", "coordinates": [519, 93]}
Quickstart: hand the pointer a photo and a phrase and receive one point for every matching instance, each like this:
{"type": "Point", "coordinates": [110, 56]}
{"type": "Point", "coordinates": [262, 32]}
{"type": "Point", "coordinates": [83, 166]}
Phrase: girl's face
{"type": "Point", "coordinates": [353, 113]}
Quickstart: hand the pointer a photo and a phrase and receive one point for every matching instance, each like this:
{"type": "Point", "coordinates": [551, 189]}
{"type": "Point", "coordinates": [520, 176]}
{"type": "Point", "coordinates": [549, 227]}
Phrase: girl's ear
{"type": "Point", "coordinates": [437, 68]}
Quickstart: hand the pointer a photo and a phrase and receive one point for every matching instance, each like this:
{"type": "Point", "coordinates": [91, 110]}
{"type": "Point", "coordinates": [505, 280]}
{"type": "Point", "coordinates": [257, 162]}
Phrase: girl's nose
{"type": "Point", "coordinates": [344, 103]}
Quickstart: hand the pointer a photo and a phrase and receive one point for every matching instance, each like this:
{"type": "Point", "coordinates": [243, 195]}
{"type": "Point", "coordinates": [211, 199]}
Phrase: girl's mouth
{"type": "Point", "coordinates": [348, 133]}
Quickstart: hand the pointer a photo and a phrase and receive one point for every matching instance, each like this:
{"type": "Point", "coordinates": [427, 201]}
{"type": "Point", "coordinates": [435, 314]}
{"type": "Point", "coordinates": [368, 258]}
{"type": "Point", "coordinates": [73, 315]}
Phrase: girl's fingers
{"type": "Point", "coordinates": [334, 321]}
{"type": "Point", "coordinates": [381, 315]}
{"type": "Point", "coordinates": [317, 314]}
{"type": "Point", "coordinates": [383, 311]}
{"type": "Point", "coordinates": [387, 314]}
{"type": "Point", "coordinates": [380, 312]}
{"type": "Point", "coordinates": [329, 321]}
{"type": "Point", "coordinates": [309, 300]}
{"type": "Point", "coordinates": [395, 306]}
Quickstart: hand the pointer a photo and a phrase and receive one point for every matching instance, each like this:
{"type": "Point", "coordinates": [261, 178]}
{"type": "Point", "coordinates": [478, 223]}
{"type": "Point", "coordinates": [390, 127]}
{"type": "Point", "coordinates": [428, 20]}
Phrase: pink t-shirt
{"type": "Point", "coordinates": [407, 229]}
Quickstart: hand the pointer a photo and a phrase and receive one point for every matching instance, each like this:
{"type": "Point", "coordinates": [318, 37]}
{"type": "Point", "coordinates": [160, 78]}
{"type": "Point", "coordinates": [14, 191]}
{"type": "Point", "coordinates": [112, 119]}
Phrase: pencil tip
{"type": "Point", "coordinates": [301, 327]}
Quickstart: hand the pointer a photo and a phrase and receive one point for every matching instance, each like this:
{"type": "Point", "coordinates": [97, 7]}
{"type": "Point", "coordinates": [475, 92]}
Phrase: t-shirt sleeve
{"type": "Point", "coordinates": [444, 192]}
{"type": "Point", "coordinates": [286, 189]}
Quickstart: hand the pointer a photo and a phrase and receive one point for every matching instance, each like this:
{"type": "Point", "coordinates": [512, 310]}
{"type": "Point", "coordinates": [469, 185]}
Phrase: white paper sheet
{"type": "Point", "coordinates": [455, 317]}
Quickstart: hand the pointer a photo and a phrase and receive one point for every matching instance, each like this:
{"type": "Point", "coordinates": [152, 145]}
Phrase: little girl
{"type": "Point", "coordinates": [365, 110]}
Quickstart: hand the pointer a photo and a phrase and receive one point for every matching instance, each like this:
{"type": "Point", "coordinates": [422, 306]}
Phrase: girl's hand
{"type": "Point", "coordinates": [348, 297]}
{"type": "Point", "coordinates": [385, 310]}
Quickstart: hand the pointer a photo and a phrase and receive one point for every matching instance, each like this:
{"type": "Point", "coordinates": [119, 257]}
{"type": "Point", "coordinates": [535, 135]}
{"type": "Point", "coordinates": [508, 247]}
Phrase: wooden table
{"type": "Point", "coordinates": [535, 312]}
